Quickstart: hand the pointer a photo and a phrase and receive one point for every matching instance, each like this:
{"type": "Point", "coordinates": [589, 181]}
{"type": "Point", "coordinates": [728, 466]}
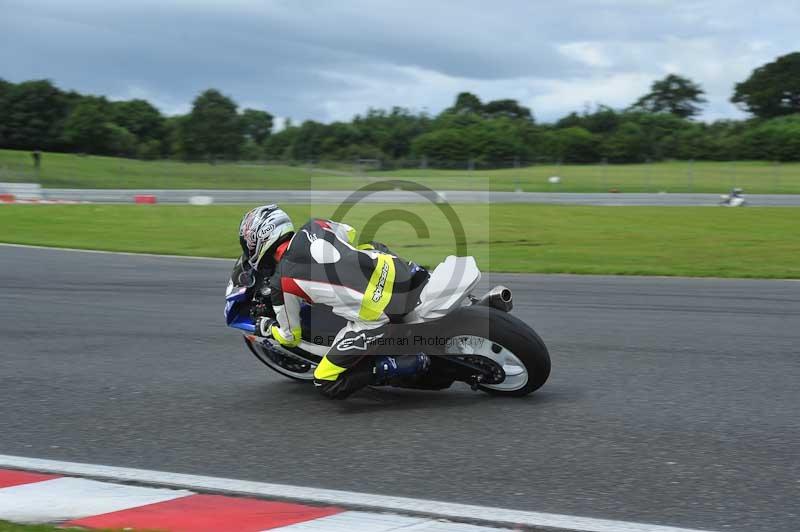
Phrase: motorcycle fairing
{"type": "Point", "coordinates": [237, 313]}
{"type": "Point", "coordinates": [449, 284]}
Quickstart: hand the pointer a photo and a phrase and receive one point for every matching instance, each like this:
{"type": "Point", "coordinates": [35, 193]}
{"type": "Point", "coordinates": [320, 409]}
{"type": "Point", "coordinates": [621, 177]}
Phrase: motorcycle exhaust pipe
{"type": "Point", "coordinates": [498, 297]}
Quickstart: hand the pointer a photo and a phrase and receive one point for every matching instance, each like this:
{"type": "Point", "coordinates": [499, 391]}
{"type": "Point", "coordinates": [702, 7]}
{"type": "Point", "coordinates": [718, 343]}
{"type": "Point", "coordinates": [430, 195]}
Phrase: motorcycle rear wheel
{"type": "Point", "coordinates": [507, 341]}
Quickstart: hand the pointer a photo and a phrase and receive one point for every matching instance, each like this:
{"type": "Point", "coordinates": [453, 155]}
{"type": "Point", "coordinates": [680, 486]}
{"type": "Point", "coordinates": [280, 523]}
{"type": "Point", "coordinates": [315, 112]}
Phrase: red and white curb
{"type": "Point", "coordinates": [27, 497]}
{"type": "Point", "coordinates": [34, 491]}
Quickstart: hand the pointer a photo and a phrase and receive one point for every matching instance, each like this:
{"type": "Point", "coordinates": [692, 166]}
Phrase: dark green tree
{"type": "Point", "coordinates": [278, 146]}
{"type": "Point", "coordinates": [5, 86]}
{"type": "Point", "coordinates": [86, 128]}
{"type": "Point", "coordinates": [603, 119]}
{"type": "Point", "coordinates": [173, 143]}
{"type": "Point", "coordinates": [691, 143]}
{"type": "Point", "coordinates": [627, 144]}
{"type": "Point", "coordinates": [657, 132]}
{"type": "Point", "coordinates": [31, 114]}
{"type": "Point", "coordinates": [772, 89]}
{"type": "Point", "coordinates": [466, 102]}
{"type": "Point", "coordinates": [140, 118]}
{"type": "Point", "coordinates": [497, 142]}
{"type": "Point", "coordinates": [257, 125]}
{"type": "Point", "coordinates": [341, 141]}
{"type": "Point", "coordinates": [675, 95]}
{"type": "Point", "coordinates": [444, 147]}
{"type": "Point", "coordinates": [120, 141]}
{"type": "Point", "coordinates": [213, 128]}
{"type": "Point", "coordinates": [149, 150]}
{"type": "Point", "coordinates": [574, 145]}
{"type": "Point", "coordinates": [307, 144]}
{"type": "Point", "coordinates": [571, 120]}
{"type": "Point", "coordinates": [450, 120]}
{"type": "Point", "coordinates": [507, 108]}
{"type": "Point", "coordinates": [723, 139]}
{"type": "Point", "coordinates": [392, 131]}
{"type": "Point", "coordinates": [776, 139]}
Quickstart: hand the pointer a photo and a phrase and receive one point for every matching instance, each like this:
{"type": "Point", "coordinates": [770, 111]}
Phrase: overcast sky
{"type": "Point", "coordinates": [330, 59]}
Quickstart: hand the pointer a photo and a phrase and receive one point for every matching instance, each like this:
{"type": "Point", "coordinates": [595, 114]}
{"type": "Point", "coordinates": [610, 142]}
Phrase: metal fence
{"type": "Point", "coordinates": [75, 171]}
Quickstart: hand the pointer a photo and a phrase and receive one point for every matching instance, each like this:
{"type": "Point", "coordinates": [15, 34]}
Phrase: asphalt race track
{"type": "Point", "coordinates": [672, 401]}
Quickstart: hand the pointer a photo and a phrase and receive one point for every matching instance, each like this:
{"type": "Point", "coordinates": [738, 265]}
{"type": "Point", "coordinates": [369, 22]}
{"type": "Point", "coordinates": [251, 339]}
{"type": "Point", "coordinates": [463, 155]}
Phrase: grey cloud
{"type": "Point", "coordinates": [322, 60]}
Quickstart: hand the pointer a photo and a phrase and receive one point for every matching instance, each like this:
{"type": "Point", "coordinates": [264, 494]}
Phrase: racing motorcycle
{"type": "Point", "coordinates": [733, 199]}
{"type": "Point", "coordinates": [470, 339]}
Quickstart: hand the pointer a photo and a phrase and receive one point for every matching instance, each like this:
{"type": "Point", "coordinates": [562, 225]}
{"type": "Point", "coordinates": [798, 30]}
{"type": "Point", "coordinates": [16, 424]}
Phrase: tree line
{"type": "Point", "coordinates": [37, 115]}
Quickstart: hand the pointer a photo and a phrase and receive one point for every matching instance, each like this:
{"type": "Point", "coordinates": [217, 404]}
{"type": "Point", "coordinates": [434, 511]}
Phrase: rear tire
{"type": "Point", "coordinates": [512, 334]}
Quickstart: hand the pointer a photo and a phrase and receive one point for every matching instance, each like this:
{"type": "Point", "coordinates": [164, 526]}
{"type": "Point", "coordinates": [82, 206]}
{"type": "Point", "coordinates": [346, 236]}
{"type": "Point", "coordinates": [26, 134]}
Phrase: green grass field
{"type": "Point", "coordinates": [6, 526]}
{"type": "Point", "coordinates": [75, 171]}
{"type": "Point", "coordinates": [686, 241]}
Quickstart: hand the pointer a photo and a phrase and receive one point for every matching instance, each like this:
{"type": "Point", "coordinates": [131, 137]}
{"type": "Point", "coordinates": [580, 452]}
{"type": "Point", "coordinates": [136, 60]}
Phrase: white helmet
{"type": "Point", "coordinates": [262, 230]}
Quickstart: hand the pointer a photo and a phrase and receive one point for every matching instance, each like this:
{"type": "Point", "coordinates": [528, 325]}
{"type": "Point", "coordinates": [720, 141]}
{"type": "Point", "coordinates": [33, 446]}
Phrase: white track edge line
{"type": "Point", "coordinates": [199, 257]}
{"type": "Point", "coordinates": [453, 511]}
{"type": "Point", "coordinates": [106, 252]}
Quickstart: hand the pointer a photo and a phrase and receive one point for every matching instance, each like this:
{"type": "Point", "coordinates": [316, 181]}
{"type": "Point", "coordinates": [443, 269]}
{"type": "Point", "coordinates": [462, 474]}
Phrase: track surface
{"type": "Point", "coordinates": [672, 401]}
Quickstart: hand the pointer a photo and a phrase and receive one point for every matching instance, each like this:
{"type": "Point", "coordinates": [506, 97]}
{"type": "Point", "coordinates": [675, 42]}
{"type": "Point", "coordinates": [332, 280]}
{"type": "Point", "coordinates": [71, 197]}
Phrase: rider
{"type": "Point", "coordinates": [320, 263]}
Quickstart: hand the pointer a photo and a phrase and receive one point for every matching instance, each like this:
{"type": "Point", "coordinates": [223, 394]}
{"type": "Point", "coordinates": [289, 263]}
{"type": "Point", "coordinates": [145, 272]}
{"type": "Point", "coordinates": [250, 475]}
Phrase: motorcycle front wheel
{"type": "Point", "coordinates": [283, 364]}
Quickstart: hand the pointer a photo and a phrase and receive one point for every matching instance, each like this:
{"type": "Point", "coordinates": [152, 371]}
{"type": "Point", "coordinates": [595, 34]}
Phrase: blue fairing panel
{"type": "Point", "coordinates": [245, 324]}
{"type": "Point", "coordinates": [236, 314]}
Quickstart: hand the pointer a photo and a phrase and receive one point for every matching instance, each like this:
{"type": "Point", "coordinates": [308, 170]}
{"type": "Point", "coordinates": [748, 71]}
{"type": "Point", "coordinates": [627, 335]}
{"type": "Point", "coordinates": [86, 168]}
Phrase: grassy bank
{"type": "Point", "coordinates": [5, 526]}
{"type": "Point", "coordinates": [60, 170]}
{"type": "Point", "coordinates": [686, 241]}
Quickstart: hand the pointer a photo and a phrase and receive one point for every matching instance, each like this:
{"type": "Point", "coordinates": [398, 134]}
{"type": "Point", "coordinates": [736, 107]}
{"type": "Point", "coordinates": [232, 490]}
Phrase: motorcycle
{"type": "Point", "coordinates": [733, 199]}
{"type": "Point", "coordinates": [469, 339]}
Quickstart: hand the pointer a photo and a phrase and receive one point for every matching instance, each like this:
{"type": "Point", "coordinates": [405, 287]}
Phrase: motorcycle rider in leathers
{"type": "Point", "coordinates": [367, 285]}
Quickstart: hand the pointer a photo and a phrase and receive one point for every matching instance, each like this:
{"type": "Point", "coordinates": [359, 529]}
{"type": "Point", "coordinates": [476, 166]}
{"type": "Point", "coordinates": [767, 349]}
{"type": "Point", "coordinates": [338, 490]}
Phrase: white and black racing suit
{"type": "Point", "coordinates": [368, 287]}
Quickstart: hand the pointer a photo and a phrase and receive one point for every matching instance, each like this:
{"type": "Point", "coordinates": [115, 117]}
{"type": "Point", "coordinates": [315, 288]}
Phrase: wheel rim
{"type": "Point", "coordinates": [270, 360]}
{"type": "Point", "coordinates": [515, 370]}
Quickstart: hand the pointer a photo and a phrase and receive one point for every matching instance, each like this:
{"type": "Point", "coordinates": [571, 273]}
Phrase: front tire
{"type": "Point", "coordinates": [285, 365]}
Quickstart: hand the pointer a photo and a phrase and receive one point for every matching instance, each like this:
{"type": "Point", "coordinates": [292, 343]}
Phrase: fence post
{"type": "Point", "coordinates": [690, 174]}
{"type": "Point", "coordinates": [776, 178]}
{"type": "Point", "coordinates": [471, 164]}
{"type": "Point", "coordinates": [604, 175]}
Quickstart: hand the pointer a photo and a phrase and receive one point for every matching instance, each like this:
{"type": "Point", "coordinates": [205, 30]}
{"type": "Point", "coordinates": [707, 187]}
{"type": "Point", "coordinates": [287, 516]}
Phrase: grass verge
{"type": "Point", "coordinates": [684, 241]}
{"type": "Point", "coordinates": [60, 170]}
{"type": "Point", "coordinates": [6, 526]}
